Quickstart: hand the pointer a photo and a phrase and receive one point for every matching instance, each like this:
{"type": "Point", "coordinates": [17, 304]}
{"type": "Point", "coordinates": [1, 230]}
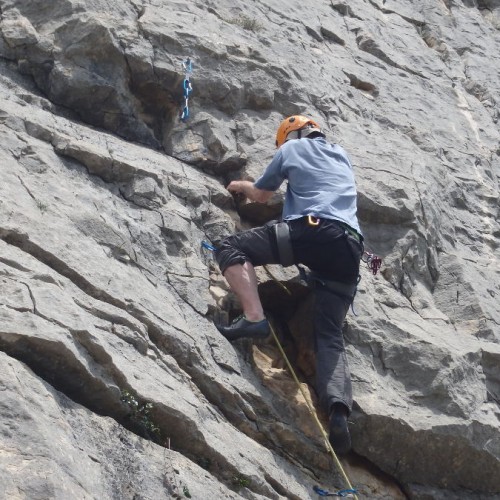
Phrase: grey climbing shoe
{"type": "Point", "coordinates": [241, 328]}
{"type": "Point", "coordinates": [339, 437]}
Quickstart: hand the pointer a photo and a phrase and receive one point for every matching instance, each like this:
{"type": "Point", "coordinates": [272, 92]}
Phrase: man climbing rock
{"type": "Point", "coordinates": [319, 230]}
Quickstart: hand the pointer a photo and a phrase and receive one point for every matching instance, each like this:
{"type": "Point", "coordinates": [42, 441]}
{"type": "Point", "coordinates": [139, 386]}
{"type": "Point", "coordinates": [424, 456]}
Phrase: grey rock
{"type": "Point", "coordinates": [106, 198]}
{"type": "Point", "coordinates": [101, 459]}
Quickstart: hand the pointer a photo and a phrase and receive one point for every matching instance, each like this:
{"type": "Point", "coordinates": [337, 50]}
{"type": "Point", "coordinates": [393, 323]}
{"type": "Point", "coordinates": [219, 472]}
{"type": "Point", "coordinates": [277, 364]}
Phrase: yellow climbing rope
{"type": "Point", "coordinates": [312, 411]}
{"type": "Point", "coordinates": [273, 277]}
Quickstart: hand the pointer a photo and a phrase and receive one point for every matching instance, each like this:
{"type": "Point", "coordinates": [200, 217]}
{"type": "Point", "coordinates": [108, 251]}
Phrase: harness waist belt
{"type": "Point", "coordinates": [336, 286]}
{"type": "Point", "coordinates": [352, 232]}
{"type": "Point", "coordinates": [315, 221]}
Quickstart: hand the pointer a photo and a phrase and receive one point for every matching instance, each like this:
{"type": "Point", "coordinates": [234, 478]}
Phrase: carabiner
{"type": "Point", "coordinates": [313, 221]}
{"type": "Point", "coordinates": [187, 65]}
{"type": "Point", "coordinates": [184, 114]}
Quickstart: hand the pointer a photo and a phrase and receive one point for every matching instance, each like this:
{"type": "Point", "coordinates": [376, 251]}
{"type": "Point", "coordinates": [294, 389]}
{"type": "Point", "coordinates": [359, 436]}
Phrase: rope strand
{"type": "Point", "coordinates": [313, 413]}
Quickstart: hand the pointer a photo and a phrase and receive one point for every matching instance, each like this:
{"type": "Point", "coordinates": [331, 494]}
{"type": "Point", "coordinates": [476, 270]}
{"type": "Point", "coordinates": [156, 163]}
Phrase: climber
{"type": "Point", "coordinates": [319, 230]}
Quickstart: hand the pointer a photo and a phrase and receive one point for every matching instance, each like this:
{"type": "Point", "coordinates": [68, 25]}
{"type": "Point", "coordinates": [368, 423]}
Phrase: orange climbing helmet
{"type": "Point", "coordinates": [303, 125]}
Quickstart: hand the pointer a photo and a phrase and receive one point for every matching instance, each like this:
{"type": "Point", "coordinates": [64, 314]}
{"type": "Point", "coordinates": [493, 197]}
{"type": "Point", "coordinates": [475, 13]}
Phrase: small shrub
{"type": "Point", "coordinates": [241, 481]}
{"type": "Point", "coordinates": [140, 416]}
{"type": "Point", "coordinates": [246, 22]}
{"type": "Point", "coordinates": [42, 206]}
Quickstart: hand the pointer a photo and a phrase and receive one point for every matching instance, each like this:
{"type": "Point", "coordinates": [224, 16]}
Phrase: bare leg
{"type": "Point", "coordinates": [243, 282]}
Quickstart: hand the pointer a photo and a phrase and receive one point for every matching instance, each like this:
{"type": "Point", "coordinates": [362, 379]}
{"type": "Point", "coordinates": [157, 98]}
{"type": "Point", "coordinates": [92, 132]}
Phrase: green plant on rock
{"type": "Point", "coordinates": [246, 22]}
{"type": "Point", "coordinates": [140, 416]}
{"type": "Point", "coordinates": [42, 206]}
{"type": "Point", "coordinates": [241, 481]}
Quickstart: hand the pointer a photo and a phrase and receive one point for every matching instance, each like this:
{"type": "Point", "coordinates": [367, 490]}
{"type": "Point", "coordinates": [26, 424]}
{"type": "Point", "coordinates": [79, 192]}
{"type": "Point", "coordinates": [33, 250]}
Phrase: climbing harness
{"type": "Point", "coordinates": [284, 243]}
{"type": "Point", "coordinates": [341, 493]}
{"type": "Point", "coordinates": [337, 287]}
{"type": "Point", "coordinates": [286, 257]}
{"type": "Point", "coordinates": [186, 88]}
{"type": "Point", "coordinates": [313, 413]}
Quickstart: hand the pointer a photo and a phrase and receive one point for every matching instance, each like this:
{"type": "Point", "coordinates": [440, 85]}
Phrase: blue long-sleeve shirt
{"type": "Point", "coordinates": [320, 180]}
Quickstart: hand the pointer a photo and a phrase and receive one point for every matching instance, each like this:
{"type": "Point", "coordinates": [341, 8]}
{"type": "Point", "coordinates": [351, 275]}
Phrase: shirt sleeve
{"type": "Point", "coordinates": [273, 177]}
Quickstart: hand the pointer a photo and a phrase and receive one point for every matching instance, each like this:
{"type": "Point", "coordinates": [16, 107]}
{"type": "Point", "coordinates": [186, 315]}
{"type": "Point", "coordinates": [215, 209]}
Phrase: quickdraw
{"type": "Point", "coordinates": [186, 88]}
{"type": "Point", "coordinates": [373, 261]}
{"type": "Point", "coordinates": [208, 246]}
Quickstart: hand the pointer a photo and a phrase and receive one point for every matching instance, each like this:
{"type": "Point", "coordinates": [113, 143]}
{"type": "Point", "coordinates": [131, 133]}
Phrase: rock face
{"type": "Point", "coordinates": [114, 382]}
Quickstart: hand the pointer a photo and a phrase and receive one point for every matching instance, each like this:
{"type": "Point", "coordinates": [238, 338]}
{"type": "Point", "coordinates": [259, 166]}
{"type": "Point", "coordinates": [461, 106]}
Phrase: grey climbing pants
{"type": "Point", "coordinates": [333, 253]}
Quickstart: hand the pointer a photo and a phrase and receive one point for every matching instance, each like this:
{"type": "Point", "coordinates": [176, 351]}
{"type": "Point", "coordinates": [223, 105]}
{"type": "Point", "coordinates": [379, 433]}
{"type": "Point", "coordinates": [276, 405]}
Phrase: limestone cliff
{"type": "Point", "coordinates": [114, 383]}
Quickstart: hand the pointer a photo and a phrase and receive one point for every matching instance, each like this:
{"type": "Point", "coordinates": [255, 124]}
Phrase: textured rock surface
{"type": "Point", "coordinates": [105, 198]}
{"type": "Point", "coordinates": [55, 448]}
